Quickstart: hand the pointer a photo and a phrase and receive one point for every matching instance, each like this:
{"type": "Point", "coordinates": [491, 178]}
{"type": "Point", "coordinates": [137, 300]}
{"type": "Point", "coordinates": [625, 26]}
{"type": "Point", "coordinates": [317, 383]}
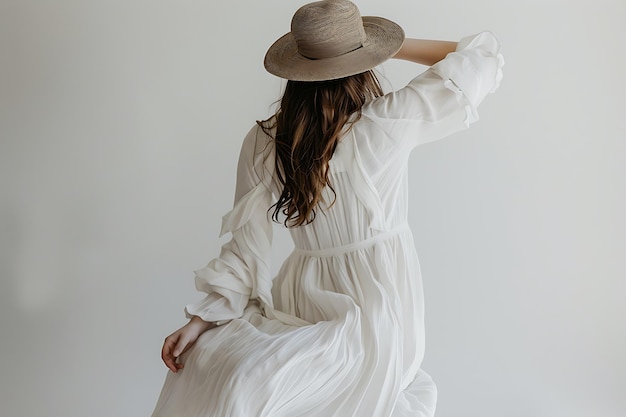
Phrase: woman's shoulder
{"type": "Point", "coordinates": [259, 139]}
{"type": "Point", "coordinates": [257, 154]}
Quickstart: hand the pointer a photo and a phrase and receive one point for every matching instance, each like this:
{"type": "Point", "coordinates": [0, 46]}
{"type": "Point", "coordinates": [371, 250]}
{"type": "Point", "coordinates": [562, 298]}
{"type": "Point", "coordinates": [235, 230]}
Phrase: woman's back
{"type": "Point", "coordinates": [339, 331]}
{"type": "Point", "coordinates": [368, 170]}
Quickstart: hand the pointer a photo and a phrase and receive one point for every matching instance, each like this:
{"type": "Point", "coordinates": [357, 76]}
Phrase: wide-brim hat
{"type": "Point", "coordinates": [329, 40]}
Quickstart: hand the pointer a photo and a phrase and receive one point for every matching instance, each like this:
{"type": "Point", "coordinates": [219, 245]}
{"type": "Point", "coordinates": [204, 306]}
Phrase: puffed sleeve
{"type": "Point", "coordinates": [242, 271]}
{"type": "Point", "coordinates": [444, 98]}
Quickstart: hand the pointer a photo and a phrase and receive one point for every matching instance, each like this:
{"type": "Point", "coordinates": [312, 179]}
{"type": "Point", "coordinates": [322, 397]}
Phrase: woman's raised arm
{"type": "Point", "coordinates": [425, 51]}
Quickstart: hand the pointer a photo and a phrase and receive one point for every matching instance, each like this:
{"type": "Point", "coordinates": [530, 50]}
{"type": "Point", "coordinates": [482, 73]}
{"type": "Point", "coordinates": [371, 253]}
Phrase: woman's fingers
{"type": "Point", "coordinates": [169, 358]}
{"type": "Point", "coordinates": [180, 346]}
{"type": "Point", "coordinates": [176, 344]}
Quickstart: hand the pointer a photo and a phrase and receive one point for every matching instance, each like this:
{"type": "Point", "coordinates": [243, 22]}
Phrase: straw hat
{"type": "Point", "coordinates": [329, 40]}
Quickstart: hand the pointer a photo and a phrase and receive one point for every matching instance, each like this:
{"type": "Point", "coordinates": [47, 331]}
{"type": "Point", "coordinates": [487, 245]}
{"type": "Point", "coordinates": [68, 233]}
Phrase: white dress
{"type": "Point", "coordinates": [340, 330]}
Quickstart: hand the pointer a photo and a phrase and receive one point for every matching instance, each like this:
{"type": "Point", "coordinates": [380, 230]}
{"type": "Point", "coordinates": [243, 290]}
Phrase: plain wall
{"type": "Point", "coordinates": [120, 127]}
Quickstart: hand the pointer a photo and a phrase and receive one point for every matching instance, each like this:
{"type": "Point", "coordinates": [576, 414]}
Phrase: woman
{"type": "Point", "coordinates": [340, 330]}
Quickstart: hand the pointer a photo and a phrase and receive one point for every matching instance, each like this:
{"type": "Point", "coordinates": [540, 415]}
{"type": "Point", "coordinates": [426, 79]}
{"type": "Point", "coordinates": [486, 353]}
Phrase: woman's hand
{"type": "Point", "coordinates": [181, 340]}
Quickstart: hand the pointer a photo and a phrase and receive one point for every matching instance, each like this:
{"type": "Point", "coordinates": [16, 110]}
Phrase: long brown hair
{"type": "Point", "coordinates": [309, 121]}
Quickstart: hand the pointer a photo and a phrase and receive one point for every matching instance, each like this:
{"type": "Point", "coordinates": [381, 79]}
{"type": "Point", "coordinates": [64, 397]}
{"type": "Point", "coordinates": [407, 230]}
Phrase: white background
{"type": "Point", "coordinates": [120, 127]}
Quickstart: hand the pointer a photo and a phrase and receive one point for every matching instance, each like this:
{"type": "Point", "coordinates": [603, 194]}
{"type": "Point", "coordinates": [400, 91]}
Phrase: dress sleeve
{"type": "Point", "coordinates": [242, 271]}
{"type": "Point", "coordinates": [444, 98]}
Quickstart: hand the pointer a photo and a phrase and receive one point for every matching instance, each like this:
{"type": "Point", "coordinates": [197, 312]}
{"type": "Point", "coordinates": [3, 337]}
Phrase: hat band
{"type": "Point", "coordinates": [331, 56]}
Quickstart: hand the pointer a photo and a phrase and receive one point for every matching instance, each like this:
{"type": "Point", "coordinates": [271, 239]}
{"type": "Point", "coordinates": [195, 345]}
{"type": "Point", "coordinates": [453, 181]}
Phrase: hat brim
{"type": "Point", "coordinates": [384, 40]}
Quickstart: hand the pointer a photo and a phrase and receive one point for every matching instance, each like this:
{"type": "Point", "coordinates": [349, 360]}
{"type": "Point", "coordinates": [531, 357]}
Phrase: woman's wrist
{"type": "Point", "coordinates": [202, 324]}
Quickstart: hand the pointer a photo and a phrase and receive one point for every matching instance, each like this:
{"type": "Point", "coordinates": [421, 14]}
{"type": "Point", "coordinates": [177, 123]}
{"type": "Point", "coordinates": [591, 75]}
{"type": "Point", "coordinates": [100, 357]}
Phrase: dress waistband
{"type": "Point", "coordinates": [351, 247]}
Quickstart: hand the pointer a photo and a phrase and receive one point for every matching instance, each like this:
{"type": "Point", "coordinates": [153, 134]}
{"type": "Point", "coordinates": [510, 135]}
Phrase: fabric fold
{"type": "Point", "coordinates": [242, 211]}
{"type": "Point", "coordinates": [242, 270]}
{"type": "Point", "coordinates": [364, 189]}
{"type": "Point", "coordinates": [472, 71]}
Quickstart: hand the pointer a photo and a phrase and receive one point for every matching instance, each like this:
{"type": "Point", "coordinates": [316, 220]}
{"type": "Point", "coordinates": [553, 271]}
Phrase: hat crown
{"type": "Point", "coordinates": [327, 29]}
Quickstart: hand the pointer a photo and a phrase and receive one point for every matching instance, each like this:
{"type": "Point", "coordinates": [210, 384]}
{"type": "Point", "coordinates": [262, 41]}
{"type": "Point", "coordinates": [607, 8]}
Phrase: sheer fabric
{"type": "Point", "coordinates": [339, 331]}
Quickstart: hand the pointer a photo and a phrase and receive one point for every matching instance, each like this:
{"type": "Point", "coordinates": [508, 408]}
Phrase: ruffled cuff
{"type": "Point", "coordinates": [488, 44]}
{"type": "Point", "coordinates": [218, 308]}
{"type": "Point", "coordinates": [227, 295]}
{"type": "Point", "coordinates": [473, 71]}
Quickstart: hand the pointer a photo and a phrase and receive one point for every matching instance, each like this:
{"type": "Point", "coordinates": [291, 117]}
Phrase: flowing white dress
{"type": "Point", "coordinates": [340, 330]}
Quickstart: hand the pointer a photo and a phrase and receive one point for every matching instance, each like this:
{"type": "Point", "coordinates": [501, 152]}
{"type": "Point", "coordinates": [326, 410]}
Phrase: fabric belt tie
{"type": "Point", "coordinates": [351, 247]}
